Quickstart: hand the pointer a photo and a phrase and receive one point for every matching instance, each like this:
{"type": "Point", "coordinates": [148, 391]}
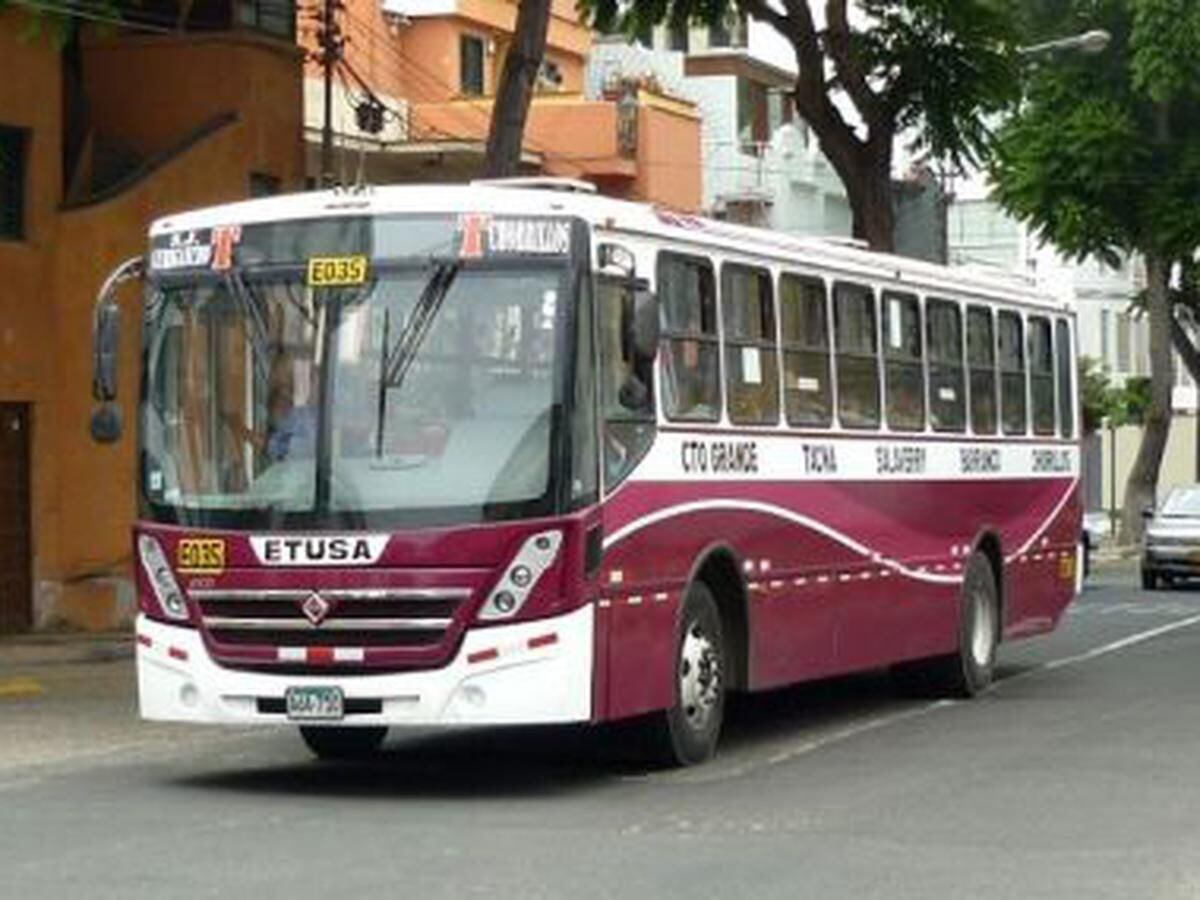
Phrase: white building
{"type": "Point", "coordinates": [760, 164]}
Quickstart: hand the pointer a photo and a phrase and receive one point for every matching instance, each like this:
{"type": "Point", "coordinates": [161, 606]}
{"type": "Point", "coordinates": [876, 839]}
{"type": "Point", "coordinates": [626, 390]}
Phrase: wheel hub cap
{"type": "Point", "coordinates": [699, 677]}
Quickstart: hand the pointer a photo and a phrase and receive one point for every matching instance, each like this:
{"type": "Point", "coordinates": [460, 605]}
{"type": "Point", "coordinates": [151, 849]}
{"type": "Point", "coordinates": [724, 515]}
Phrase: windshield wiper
{"type": "Point", "coordinates": [396, 362]}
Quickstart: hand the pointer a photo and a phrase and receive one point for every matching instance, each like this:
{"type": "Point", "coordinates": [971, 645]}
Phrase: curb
{"type": "Point", "coordinates": [64, 649]}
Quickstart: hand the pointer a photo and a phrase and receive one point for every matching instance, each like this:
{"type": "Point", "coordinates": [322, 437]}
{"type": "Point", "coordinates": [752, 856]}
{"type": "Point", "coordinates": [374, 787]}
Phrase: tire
{"type": "Point", "coordinates": [970, 669]}
{"type": "Point", "coordinates": [1149, 579]}
{"type": "Point", "coordinates": [687, 733]}
{"type": "Point", "coordinates": [338, 743]}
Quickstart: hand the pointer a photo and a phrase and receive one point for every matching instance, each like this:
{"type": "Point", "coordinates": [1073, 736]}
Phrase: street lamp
{"type": "Point", "coordinates": [1091, 42]}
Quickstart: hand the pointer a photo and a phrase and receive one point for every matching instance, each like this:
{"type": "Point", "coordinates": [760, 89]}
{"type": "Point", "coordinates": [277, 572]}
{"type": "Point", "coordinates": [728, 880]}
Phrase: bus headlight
{"type": "Point", "coordinates": [158, 573]}
{"type": "Point", "coordinates": [524, 571]}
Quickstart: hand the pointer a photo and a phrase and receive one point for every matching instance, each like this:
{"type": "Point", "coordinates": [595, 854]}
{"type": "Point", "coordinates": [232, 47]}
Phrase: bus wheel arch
{"type": "Point", "coordinates": [717, 567]}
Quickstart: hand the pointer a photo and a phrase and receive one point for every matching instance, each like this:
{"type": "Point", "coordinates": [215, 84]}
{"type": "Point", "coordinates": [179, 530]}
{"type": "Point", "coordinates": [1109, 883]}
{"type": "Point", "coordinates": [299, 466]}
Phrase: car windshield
{"type": "Point", "coordinates": [440, 382]}
{"type": "Point", "coordinates": [1182, 503]}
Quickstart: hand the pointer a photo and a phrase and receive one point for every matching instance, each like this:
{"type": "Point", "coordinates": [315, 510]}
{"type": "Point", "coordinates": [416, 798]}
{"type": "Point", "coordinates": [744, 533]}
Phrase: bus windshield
{"type": "Point", "coordinates": [427, 394]}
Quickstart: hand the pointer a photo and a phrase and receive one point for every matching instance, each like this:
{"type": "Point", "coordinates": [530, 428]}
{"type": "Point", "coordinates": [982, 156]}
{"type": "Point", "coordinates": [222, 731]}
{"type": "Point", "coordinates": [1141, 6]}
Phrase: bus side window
{"type": "Point", "coordinates": [691, 386]}
{"type": "Point", "coordinates": [1012, 373]}
{"type": "Point", "coordinates": [751, 359]}
{"type": "Point", "coordinates": [857, 356]}
{"type": "Point", "coordinates": [804, 321]}
{"type": "Point", "coordinates": [1066, 393]}
{"type": "Point", "coordinates": [981, 361]}
{"type": "Point", "coordinates": [947, 400]}
{"type": "Point", "coordinates": [904, 374]}
{"type": "Point", "coordinates": [628, 426]}
{"type": "Point", "coordinates": [1041, 375]}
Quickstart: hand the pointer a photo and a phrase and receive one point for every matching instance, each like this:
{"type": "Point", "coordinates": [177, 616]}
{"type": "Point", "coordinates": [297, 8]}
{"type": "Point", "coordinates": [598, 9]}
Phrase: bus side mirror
{"type": "Point", "coordinates": [106, 423]}
{"type": "Point", "coordinates": [643, 326]}
{"type": "Point", "coordinates": [106, 338]}
{"type": "Point", "coordinates": [1147, 513]}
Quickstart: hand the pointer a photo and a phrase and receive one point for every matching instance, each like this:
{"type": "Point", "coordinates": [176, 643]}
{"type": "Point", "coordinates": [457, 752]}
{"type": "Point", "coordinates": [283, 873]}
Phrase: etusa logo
{"type": "Point", "coordinates": [319, 550]}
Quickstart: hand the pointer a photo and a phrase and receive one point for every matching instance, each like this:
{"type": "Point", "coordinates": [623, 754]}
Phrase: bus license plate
{"type": "Point", "coordinates": [314, 704]}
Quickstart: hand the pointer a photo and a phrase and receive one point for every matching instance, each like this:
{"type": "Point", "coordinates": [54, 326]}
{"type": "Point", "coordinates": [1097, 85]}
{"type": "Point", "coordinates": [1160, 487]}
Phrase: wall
{"type": "Point", "coordinates": [83, 495]}
{"type": "Point", "coordinates": [1178, 466]}
{"type": "Point", "coordinates": [27, 314]}
{"type": "Point", "coordinates": [182, 81]}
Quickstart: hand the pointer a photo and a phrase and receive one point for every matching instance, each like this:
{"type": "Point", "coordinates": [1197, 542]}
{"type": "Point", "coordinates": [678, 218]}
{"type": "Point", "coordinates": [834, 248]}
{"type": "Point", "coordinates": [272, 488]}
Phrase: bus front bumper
{"type": "Point", "coordinates": [502, 675]}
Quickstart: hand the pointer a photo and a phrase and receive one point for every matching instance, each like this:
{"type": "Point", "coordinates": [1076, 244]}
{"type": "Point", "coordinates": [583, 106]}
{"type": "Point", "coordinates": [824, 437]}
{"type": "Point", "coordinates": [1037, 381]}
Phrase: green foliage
{"type": "Point", "coordinates": [1102, 402]}
{"type": "Point", "coordinates": [1104, 155]}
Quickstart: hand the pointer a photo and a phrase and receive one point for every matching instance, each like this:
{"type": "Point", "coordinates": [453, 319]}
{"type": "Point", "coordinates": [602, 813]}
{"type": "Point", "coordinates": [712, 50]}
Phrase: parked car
{"type": "Point", "coordinates": [1171, 545]}
{"type": "Point", "coordinates": [1097, 525]}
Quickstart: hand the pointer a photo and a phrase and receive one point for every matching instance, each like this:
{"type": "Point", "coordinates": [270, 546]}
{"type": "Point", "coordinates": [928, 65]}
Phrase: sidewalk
{"type": "Point", "coordinates": [63, 648]}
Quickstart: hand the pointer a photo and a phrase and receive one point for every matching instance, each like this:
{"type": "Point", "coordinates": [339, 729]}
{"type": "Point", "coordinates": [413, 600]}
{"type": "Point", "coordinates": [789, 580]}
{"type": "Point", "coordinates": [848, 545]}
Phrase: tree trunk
{"type": "Point", "coordinates": [515, 91]}
{"type": "Point", "coordinates": [1143, 478]}
{"type": "Point", "coordinates": [865, 171]}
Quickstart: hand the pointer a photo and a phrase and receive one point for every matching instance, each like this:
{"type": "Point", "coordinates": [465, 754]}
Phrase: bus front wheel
{"type": "Point", "coordinates": [336, 743]}
{"type": "Point", "coordinates": [687, 733]}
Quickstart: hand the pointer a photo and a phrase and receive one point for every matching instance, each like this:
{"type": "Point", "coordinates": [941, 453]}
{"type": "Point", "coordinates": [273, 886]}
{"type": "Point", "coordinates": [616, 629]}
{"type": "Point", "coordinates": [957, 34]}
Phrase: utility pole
{"type": "Point", "coordinates": [330, 40]}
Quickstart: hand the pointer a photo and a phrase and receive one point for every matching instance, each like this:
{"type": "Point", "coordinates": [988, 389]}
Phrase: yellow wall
{"type": "Point", "coordinates": [83, 494]}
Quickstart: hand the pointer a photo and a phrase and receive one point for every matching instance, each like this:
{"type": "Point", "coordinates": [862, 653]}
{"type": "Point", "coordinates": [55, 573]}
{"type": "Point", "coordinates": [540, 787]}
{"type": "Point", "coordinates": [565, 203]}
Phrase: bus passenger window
{"type": "Point", "coordinates": [981, 361]}
{"type": "Point", "coordinates": [691, 388]}
{"type": "Point", "coordinates": [857, 356]}
{"type": "Point", "coordinates": [947, 398]}
{"type": "Point", "coordinates": [1041, 375]}
{"type": "Point", "coordinates": [904, 372]}
{"type": "Point", "coordinates": [751, 359]}
{"type": "Point", "coordinates": [1012, 373]}
{"type": "Point", "coordinates": [807, 393]}
{"type": "Point", "coordinates": [1066, 393]}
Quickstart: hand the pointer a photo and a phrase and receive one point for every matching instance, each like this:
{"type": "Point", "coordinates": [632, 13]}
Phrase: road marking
{"type": "Point", "coordinates": [20, 687]}
{"type": "Point", "coordinates": [711, 773]}
{"type": "Point", "coordinates": [1132, 640]}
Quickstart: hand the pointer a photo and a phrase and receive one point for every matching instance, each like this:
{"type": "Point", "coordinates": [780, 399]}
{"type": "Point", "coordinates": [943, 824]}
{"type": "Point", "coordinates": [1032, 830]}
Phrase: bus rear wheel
{"type": "Point", "coordinates": [971, 668]}
{"type": "Point", "coordinates": [687, 733]}
{"type": "Point", "coordinates": [336, 743]}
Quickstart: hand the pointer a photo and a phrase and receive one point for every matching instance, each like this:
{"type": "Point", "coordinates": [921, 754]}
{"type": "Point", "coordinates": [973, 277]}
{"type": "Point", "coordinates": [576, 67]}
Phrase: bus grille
{"type": "Point", "coordinates": [376, 617]}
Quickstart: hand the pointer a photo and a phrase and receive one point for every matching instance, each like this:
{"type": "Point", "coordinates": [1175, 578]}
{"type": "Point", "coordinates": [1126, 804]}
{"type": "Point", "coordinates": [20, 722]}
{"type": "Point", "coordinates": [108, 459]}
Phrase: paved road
{"type": "Point", "coordinates": [1077, 776]}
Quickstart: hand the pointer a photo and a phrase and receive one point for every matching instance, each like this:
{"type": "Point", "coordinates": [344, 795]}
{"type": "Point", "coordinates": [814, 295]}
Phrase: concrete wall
{"type": "Point", "coordinates": [1179, 460]}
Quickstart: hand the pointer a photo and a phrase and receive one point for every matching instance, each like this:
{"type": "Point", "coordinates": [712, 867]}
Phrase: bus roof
{"type": "Point", "coordinates": [536, 197]}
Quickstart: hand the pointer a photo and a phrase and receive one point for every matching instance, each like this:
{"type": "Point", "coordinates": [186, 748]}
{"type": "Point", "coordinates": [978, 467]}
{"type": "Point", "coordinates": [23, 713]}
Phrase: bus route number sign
{"type": "Point", "coordinates": [336, 271]}
{"type": "Point", "coordinates": [201, 555]}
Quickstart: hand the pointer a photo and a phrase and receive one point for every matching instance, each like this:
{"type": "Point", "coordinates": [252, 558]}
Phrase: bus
{"type": "Point", "coordinates": [517, 453]}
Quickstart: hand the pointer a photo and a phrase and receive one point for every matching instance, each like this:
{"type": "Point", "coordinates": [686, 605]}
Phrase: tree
{"type": "Point", "coordinates": [1103, 159]}
{"type": "Point", "coordinates": [869, 71]}
{"type": "Point", "coordinates": [515, 91]}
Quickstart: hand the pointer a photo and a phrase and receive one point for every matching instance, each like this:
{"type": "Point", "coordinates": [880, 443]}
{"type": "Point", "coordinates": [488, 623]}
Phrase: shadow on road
{"type": "Point", "coordinates": [513, 763]}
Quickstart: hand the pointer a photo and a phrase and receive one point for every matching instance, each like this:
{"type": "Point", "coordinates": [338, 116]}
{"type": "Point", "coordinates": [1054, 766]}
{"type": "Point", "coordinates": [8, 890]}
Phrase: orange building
{"type": "Point", "coordinates": [435, 64]}
{"type": "Point", "coordinates": [96, 140]}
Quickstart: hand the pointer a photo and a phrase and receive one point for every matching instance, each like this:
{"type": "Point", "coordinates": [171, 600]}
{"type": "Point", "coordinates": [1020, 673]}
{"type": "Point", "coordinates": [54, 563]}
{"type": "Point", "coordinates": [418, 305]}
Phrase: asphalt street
{"type": "Point", "coordinates": [1078, 775]}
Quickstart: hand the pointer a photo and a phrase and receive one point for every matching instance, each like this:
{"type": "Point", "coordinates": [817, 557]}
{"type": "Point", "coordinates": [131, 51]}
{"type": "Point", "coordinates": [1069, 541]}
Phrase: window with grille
{"type": "Point", "coordinates": [13, 146]}
{"type": "Point", "coordinates": [751, 360]}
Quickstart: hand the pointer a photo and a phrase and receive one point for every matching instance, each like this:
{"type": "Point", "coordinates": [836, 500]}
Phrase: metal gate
{"type": "Point", "coordinates": [16, 595]}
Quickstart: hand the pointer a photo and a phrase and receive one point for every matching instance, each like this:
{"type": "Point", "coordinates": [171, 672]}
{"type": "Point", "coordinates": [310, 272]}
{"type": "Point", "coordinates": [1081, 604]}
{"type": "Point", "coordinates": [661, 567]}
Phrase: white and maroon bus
{"type": "Point", "coordinates": [499, 453]}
